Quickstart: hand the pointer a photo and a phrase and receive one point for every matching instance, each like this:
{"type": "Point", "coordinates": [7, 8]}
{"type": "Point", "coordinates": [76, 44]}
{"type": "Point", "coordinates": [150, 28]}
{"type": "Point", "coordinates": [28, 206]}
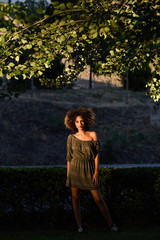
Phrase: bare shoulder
{"type": "Point", "coordinates": [94, 136]}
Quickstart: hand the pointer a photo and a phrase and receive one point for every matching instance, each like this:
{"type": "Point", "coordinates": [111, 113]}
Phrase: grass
{"type": "Point", "coordinates": [102, 94]}
{"type": "Point", "coordinates": [151, 233]}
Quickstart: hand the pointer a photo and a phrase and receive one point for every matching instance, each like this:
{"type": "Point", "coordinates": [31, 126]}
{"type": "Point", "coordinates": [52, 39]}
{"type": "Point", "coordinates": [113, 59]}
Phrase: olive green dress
{"type": "Point", "coordinates": [81, 155]}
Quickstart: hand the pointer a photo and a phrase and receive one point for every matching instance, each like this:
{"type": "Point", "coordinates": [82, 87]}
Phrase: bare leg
{"type": "Point", "coordinates": [102, 206]}
{"type": "Point", "coordinates": [76, 205]}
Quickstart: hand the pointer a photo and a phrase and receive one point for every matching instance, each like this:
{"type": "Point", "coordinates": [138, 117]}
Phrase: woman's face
{"type": "Point", "coordinates": [79, 123]}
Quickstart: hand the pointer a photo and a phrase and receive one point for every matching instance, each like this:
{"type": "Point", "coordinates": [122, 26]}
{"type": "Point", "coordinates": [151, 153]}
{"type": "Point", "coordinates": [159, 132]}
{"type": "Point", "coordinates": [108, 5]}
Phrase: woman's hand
{"type": "Point", "coordinates": [96, 178]}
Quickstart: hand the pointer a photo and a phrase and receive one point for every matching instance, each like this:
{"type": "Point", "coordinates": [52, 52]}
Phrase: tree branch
{"type": "Point", "coordinates": [42, 20]}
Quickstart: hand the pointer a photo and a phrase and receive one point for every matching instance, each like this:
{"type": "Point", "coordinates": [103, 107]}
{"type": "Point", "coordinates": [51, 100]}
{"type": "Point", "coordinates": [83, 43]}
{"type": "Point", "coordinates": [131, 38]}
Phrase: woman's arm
{"type": "Point", "coordinates": [68, 167]}
{"type": "Point", "coordinates": [69, 152]}
{"type": "Point", "coordinates": [96, 173]}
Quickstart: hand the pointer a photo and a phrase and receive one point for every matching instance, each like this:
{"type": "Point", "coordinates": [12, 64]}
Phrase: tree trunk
{"type": "Point", "coordinates": [127, 80]}
{"type": "Point", "coordinates": [90, 77]}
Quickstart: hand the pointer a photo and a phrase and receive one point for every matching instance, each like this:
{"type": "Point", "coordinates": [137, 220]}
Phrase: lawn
{"type": "Point", "coordinates": [144, 233]}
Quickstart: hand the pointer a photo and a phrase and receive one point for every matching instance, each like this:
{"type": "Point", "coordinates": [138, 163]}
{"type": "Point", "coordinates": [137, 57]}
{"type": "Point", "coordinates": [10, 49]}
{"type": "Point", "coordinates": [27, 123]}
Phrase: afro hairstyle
{"type": "Point", "coordinates": [86, 113]}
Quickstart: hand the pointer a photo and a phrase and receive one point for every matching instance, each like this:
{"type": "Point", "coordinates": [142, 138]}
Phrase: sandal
{"type": "Point", "coordinates": [114, 228]}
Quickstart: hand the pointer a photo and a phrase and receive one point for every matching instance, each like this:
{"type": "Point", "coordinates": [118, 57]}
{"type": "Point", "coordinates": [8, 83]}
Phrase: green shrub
{"type": "Point", "coordinates": [38, 197]}
{"type": "Point", "coordinates": [132, 193]}
{"type": "Point", "coordinates": [33, 195]}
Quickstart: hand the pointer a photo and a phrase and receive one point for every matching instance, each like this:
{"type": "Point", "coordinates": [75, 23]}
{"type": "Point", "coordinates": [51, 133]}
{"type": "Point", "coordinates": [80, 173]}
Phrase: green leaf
{"type": "Point", "coordinates": [46, 65]}
{"type": "Point", "coordinates": [11, 64]}
{"type": "Point", "coordinates": [31, 74]}
{"type": "Point", "coordinates": [55, 3]}
{"type": "Point", "coordinates": [74, 35]}
{"type": "Point", "coordinates": [84, 36]}
{"type": "Point", "coordinates": [17, 58]}
{"type": "Point", "coordinates": [112, 53]}
{"type": "Point", "coordinates": [3, 30]}
{"type": "Point", "coordinates": [8, 54]}
{"type": "Point", "coordinates": [40, 73]}
{"type": "Point", "coordinates": [107, 29]}
{"type": "Point", "coordinates": [24, 76]}
{"type": "Point", "coordinates": [16, 22]}
{"type": "Point", "coordinates": [24, 41]}
{"type": "Point", "coordinates": [70, 49]}
{"type": "Point", "coordinates": [69, 5]}
{"type": "Point", "coordinates": [29, 46]}
{"type": "Point", "coordinates": [2, 40]}
{"type": "Point", "coordinates": [62, 6]}
{"type": "Point", "coordinates": [16, 36]}
{"type": "Point", "coordinates": [40, 11]}
{"type": "Point", "coordinates": [93, 33]}
{"type": "Point", "coordinates": [61, 39]}
{"type": "Point", "coordinates": [1, 73]}
{"type": "Point", "coordinates": [8, 76]}
{"type": "Point", "coordinates": [81, 29]}
{"type": "Point", "coordinates": [33, 64]}
{"type": "Point", "coordinates": [39, 43]}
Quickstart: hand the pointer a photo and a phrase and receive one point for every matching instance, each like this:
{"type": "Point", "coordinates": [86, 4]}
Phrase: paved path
{"type": "Point", "coordinates": [131, 165]}
{"type": "Point", "coordinates": [101, 165]}
{"type": "Point", "coordinates": [123, 165]}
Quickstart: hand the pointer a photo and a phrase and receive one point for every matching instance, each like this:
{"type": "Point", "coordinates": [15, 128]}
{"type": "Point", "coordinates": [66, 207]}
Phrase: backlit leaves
{"type": "Point", "coordinates": [112, 36]}
{"type": "Point", "coordinates": [3, 30]}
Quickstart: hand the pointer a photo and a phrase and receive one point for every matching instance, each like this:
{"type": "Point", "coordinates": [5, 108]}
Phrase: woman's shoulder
{"type": "Point", "coordinates": [93, 135]}
{"type": "Point", "coordinates": [69, 137]}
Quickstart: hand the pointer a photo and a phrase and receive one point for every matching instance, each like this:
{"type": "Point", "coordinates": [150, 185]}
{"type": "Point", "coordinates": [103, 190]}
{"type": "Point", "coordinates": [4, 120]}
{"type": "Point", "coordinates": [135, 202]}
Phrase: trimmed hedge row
{"type": "Point", "coordinates": [38, 196]}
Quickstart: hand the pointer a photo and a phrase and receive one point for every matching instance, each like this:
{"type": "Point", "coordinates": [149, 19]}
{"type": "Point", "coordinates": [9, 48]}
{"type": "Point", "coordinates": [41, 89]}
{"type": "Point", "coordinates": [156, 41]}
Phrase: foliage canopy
{"type": "Point", "coordinates": [111, 36]}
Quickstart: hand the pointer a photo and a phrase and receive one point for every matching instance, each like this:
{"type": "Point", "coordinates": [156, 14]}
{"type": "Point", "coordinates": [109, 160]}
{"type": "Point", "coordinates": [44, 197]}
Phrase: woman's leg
{"type": "Point", "coordinates": [76, 205]}
{"type": "Point", "coordinates": [102, 206]}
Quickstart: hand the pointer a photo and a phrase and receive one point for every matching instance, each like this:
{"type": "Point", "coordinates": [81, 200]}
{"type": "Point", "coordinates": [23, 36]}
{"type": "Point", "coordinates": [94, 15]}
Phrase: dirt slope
{"type": "Point", "coordinates": [33, 133]}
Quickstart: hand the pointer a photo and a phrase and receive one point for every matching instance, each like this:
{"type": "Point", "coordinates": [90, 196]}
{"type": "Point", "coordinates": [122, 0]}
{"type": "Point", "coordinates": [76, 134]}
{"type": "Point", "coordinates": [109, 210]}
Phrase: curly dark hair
{"type": "Point", "coordinates": [86, 113]}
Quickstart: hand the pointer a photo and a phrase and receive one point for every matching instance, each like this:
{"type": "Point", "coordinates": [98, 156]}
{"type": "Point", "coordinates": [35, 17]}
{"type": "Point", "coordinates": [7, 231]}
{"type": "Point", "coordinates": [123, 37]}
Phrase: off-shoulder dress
{"type": "Point", "coordinates": [81, 155]}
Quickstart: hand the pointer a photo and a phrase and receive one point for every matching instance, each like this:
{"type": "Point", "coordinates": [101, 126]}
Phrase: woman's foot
{"type": "Point", "coordinates": [114, 228]}
{"type": "Point", "coordinates": [80, 229]}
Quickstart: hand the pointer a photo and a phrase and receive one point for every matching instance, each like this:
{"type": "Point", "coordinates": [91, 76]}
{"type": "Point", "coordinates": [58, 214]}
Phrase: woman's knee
{"type": "Point", "coordinates": [99, 200]}
{"type": "Point", "coordinates": [75, 196]}
{"type": "Point", "coordinates": [97, 197]}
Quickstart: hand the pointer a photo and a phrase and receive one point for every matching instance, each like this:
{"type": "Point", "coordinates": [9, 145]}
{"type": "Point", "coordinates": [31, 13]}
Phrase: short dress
{"type": "Point", "coordinates": [81, 155]}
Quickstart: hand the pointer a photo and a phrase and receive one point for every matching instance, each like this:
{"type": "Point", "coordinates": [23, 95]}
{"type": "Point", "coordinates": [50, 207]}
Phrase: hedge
{"type": "Point", "coordinates": [37, 196]}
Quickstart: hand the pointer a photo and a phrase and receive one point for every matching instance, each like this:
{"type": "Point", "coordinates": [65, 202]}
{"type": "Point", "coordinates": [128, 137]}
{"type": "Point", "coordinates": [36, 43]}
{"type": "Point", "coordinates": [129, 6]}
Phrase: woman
{"type": "Point", "coordinates": [83, 162]}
